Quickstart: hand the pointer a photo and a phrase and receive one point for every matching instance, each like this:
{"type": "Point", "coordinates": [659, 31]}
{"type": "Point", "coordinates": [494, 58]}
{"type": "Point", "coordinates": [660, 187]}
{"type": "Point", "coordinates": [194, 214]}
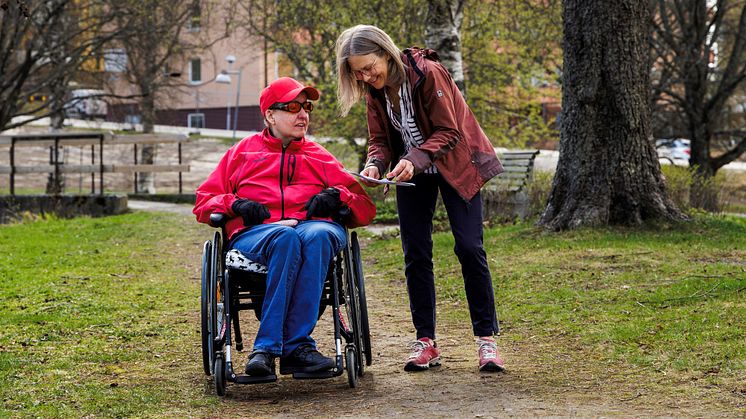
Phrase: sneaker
{"type": "Point", "coordinates": [425, 354]}
{"type": "Point", "coordinates": [305, 359]}
{"type": "Point", "coordinates": [489, 358]}
{"type": "Point", "coordinates": [260, 364]}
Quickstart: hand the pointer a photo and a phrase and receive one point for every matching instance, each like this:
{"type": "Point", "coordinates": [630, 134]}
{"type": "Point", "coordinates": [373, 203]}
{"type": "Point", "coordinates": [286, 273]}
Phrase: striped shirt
{"type": "Point", "coordinates": [406, 123]}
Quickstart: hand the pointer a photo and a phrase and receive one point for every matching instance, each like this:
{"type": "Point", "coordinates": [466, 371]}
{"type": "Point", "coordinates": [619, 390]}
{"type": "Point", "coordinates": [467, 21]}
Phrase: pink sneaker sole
{"type": "Point", "coordinates": [491, 367]}
{"type": "Point", "coordinates": [413, 366]}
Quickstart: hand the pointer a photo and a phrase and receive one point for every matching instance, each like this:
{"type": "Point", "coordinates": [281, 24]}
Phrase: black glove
{"type": "Point", "coordinates": [323, 204]}
{"type": "Point", "coordinates": [252, 212]}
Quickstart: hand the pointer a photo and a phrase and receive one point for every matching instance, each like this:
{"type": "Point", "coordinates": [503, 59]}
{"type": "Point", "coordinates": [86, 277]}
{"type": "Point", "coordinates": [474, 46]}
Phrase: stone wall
{"type": "Point", "coordinates": [64, 206]}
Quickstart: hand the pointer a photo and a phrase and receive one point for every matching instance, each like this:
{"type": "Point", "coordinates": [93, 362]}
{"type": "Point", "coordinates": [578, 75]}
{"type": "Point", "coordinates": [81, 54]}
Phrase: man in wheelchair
{"type": "Point", "coordinates": [281, 192]}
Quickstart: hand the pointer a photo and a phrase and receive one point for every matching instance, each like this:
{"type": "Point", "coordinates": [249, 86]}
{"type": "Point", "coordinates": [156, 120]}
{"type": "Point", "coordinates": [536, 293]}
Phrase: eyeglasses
{"type": "Point", "coordinates": [293, 107]}
{"type": "Point", "coordinates": [365, 71]}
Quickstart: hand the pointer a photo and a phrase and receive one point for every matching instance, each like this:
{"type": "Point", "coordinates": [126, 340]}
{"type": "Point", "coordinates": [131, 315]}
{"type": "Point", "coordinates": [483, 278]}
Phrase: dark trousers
{"type": "Point", "coordinates": [416, 207]}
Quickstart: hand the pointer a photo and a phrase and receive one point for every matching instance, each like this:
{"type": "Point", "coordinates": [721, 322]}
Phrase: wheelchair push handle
{"type": "Point", "coordinates": [342, 214]}
{"type": "Point", "coordinates": [218, 219]}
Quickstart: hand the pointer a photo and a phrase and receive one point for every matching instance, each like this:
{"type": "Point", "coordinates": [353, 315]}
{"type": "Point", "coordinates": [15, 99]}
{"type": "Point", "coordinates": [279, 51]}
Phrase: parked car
{"type": "Point", "coordinates": [87, 104]}
{"type": "Point", "coordinates": [673, 150]}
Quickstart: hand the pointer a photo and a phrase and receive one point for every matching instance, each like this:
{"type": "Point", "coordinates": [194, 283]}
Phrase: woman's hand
{"type": "Point", "coordinates": [372, 172]}
{"type": "Point", "coordinates": [403, 171]}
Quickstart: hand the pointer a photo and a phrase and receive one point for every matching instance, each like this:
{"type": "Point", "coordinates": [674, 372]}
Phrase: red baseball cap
{"type": "Point", "coordinates": [282, 90]}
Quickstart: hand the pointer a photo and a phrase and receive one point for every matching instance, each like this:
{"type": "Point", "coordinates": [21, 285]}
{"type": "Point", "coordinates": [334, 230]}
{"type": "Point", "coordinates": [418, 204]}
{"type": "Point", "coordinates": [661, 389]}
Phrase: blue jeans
{"type": "Point", "coordinates": [297, 260]}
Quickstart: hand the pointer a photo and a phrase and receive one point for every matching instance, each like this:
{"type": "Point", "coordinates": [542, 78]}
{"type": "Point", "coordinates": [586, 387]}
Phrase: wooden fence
{"type": "Point", "coordinates": [97, 141]}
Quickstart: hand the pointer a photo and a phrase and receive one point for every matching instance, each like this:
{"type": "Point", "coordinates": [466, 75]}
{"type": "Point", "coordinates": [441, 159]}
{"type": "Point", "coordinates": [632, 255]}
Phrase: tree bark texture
{"type": "Point", "coordinates": [146, 180]}
{"type": "Point", "coordinates": [608, 171]}
{"type": "Point", "coordinates": [443, 34]}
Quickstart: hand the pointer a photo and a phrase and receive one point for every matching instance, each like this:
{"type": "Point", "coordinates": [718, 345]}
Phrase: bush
{"type": "Point", "coordinates": [679, 181]}
{"type": "Point", "coordinates": [538, 193]}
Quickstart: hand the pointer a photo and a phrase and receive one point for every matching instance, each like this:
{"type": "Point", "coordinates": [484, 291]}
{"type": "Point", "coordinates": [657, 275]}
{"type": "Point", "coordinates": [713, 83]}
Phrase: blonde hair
{"type": "Point", "coordinates": [364, 40]}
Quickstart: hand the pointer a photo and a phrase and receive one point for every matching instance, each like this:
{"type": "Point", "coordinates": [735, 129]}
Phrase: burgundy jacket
{"type": "Point", "coordinates": [282, 178]}
{"type": "Point", "coordinates": [455, 142]}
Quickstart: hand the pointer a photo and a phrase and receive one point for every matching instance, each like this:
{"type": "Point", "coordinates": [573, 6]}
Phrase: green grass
{"type": "Point", "coordinates": [99, 317]}
{"type": "Point", "coordinates": [661, 299]}
{"type": "Point", "coordinates": [95, 316]}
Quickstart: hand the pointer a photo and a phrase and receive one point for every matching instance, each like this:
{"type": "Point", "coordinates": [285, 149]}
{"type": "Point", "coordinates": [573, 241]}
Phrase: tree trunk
{"type": "Point", "coordinates": [58, 93]}
{"type": "Point", "coordinates": [146, 180]}
{"type": "Point", "coordinates": [608, 171]}
{"type": "Point", "coordinates": [443, 34]}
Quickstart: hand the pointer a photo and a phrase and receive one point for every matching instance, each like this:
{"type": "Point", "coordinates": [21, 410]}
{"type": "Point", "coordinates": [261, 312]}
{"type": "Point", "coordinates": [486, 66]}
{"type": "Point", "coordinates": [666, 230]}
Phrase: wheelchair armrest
{"type": "Point", "coordinates": [218, 220]}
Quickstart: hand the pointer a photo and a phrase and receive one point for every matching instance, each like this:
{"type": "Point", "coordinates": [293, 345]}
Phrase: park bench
{"type": "Point", "coordinates": [506, 196]}
{"type": "Point", "coordinates": [97, 142]}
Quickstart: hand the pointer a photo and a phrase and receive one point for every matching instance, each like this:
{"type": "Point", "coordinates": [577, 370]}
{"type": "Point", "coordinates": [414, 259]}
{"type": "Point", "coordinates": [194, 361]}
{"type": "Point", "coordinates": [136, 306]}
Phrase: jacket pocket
{"type": "Point", "coordinates": [487, 164]}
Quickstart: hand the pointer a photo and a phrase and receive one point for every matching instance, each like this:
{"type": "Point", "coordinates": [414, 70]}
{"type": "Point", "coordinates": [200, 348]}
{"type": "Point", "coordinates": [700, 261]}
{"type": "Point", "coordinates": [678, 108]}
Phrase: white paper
{"type": "Point", "coordinates": [383, 181]}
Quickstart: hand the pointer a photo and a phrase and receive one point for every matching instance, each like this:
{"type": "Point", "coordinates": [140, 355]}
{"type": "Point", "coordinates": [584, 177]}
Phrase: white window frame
{"type": "Point", "coordinates": [192, 62]}
{"type": "Point", "coordinates": [195, 115]}
{"type": "Point", "coordinates": [195, 18]}
{"type": "Point", "coordinates": [115, 60]}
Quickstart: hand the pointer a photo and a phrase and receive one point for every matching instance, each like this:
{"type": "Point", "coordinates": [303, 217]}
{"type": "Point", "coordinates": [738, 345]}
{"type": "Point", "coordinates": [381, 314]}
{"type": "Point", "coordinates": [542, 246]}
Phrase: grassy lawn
{"type": "Point", "coordinates": [651, 309]}
{"type": "Point", "coordinates": [99, 317]}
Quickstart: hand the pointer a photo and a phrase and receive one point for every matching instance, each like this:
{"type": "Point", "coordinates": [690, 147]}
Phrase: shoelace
{"type": "Point", "coordinates": [487, 349]}
{"type": "Point", "coordinates": [417, 348]}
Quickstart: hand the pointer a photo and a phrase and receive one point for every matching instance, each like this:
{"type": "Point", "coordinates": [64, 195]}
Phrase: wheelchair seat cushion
{"type": "Point", "coordinates": [234, 259]}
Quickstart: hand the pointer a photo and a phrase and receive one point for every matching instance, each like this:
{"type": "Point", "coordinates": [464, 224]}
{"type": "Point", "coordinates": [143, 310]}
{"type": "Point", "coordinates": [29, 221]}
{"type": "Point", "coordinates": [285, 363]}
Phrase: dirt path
{"type": "Point", "coordinates": [543, 379]}
{"type": "Point", "coordinates": [531, 387]}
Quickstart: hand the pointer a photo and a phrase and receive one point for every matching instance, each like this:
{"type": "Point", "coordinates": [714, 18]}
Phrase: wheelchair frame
{"type": "Point", "coordinates": [226, 291]}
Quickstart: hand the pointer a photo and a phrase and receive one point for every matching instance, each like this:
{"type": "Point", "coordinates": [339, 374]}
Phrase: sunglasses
{"type": "Point", "coordinates": [293, 107]}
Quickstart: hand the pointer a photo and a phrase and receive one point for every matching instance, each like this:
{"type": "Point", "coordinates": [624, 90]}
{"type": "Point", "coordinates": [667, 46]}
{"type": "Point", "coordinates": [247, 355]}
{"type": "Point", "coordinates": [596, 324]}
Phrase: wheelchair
{"type": "Point", "coordinates": [232, 283]}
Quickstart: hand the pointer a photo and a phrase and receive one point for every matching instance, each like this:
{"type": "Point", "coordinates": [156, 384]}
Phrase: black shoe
{"type": "Point", "coordinates": [260, 364]}
{"type": "Point", "coordinates": [305, 359]}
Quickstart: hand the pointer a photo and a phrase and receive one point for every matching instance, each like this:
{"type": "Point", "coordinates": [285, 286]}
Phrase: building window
{"type": "Point", "coordinates": [115, 60]}
{"type": "Point", "coordinates": [195, 18]}
{"type": "Point", "coordinates": [196, 120]}
{"type": "Point", "coordinates": [195, 70]}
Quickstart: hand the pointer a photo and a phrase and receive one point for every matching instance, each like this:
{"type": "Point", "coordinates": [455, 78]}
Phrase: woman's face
{"type": "Point", "coordinates": [372, 69]}
{"type": "Point", "coordinates": [286, 125]}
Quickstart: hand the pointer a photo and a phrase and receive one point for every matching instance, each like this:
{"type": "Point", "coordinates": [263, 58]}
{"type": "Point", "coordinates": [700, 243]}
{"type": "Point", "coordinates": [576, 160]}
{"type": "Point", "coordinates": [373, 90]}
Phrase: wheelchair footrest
{"type": "Point", "coordinates": [247, 379]}
{"type": "Point", "coordinates": [314, 375]}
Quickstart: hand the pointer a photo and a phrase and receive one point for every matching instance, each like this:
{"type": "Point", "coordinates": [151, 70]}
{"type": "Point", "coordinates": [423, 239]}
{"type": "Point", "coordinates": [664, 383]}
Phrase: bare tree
{"type": "Point", "coordinates": [304, 34]}
{"type": "Point", "coordinates": [153, 35]}
{"type": "Point", "coordinates": [608, 172]}
{"type": "Point", "coordinates": [443, 34]}
{"type": "Point", "coordinates": [699, 49]}
{"type": "Point", "coordinates": [42, 47]}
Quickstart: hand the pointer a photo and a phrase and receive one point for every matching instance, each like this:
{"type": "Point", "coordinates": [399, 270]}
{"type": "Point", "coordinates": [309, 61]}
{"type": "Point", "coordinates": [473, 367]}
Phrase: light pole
{"type": "Point", "coordinates": [224, 77]}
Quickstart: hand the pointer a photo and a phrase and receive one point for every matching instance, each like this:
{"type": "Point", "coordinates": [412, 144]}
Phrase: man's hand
{"type": "Point", "coordinates": [252, 212]}
{"type": "Point", "coordinates": [324, 204]}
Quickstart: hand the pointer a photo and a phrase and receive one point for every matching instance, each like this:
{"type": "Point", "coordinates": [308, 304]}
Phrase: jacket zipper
{"type": "Point", "coordinates": [282, 190]}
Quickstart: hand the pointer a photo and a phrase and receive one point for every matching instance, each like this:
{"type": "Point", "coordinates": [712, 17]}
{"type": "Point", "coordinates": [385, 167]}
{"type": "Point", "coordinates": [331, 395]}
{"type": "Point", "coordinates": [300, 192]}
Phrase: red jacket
{"type": "Point", "coordinates": [455, 143]}
{"type": "Point", "coordinates": [259, 169]}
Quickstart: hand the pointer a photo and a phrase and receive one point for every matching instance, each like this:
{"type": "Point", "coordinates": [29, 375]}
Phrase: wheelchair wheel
{"type": "Point", "coordinates": [352, 309]}
{"type": "Point", "coordinates": [217, 314]}
{"type": "Point", "coordinates": [363, 303]}
{"type": "Point", "coordinates": [220, 374]}
{"type": "Point", "coordinates": [207, 342]}
{"type": "Point", "coordinates": [351, 366]}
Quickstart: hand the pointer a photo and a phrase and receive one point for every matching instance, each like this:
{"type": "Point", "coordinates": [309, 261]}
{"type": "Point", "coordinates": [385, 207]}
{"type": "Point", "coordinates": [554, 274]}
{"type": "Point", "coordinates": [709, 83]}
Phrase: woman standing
{"type": "Point", "coordinates": [420, 125]}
